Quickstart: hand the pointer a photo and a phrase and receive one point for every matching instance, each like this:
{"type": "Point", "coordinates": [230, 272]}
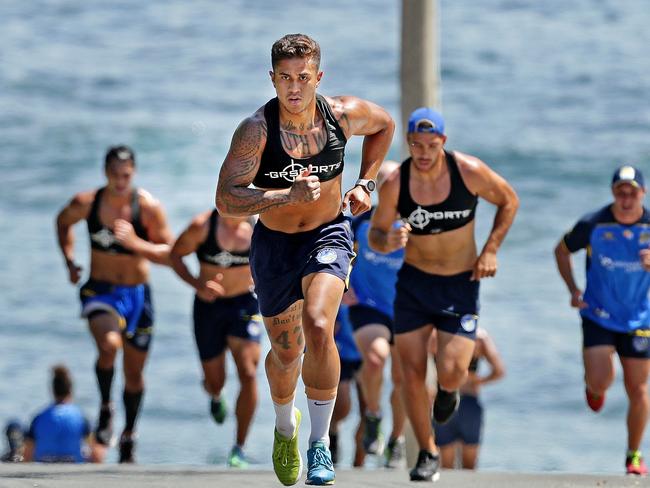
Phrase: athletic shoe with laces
{"type": "Point", "coordinates": [395, 453]}
{"type": "Point", "coordinates": [104, 430]}
{"type": "Point", "coordinates": [373, 439]}
{"type": "Point", "coordinates": [334, 447]}
{"type": "Point", "coordinates": [218, 410]}
{"type": "Point", "coordinates": [445, 404]}
{"type": "Point", "coordinates": [426, 468]}
{"type": "Point", "coordinates": [287, 462]}
{"type": "Point", "coordinates": [237, 458]}
{"type": "Point", "coordinates": [320, 470]}
{"type": "Point", "coordinates": [127, 446]}
{"type": "Point", "coordinates": [634, 463]}
{"type": "Point", "coordinates": [595, 402]}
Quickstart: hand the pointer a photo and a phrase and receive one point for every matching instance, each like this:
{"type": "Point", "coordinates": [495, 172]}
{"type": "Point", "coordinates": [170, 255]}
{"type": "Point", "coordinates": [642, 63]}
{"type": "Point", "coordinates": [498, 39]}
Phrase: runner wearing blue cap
{"type": "Point", "coordinates": [615, 308]}
{"type": "Point", "coordinates": [435, 192]}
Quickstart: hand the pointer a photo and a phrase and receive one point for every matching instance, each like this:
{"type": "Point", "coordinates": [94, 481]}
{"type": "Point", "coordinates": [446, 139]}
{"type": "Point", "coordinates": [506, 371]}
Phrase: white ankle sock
{"type": "Point", "coordinates": [285, 420]}
{"type": "Point", "coordinates": [320, 415]}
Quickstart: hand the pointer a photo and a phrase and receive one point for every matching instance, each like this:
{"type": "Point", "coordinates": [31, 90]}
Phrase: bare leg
{"type": "Point", "coordinates": [635, 375]}
{"type": "Point", "coordinates": [247, 356]}
{"type": "Point", "coordinates": [412, 348]}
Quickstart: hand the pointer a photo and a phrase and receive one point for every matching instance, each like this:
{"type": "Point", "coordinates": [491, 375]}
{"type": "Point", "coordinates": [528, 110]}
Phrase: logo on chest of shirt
{"type": "Point", "coordinates": [421, 217]}
{"type": "Point", "coordinates": [224, 259]}
{"type": "Point", "coordinates": [104, 238]}
{"type": "Point", "coordinates": [291, 171]}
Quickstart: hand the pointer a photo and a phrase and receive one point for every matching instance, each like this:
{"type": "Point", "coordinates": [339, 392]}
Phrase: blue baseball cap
{"type": "Point", "coordinates": [426, 119]}
{"type": "Point", "coordinates": [628, 174]}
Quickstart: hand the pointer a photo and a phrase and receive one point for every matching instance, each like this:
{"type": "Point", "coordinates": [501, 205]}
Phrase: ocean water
{"type": "Point", "coordinates": [553, 95]}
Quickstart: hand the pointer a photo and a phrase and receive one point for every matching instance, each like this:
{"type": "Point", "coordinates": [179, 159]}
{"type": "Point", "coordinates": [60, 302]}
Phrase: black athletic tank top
{"type": "Point", "coordinates": [456, 211]}
{"type": "Point", "coordinates": [210, 253]}
{"type": "Point", "coordinates": [101, 237]}
{"type": "Point", "coordinates": [278, 169]}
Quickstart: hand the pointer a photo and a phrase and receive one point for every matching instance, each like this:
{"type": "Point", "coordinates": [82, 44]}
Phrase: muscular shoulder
{"type": "Point", "coordinates": [470, 167]}
{"type": "Point", "coordinates": [345, 109]}
{"type": "Point", "coordinates": [83, 199]}
{"type": "Point", "coordinates": [198, 228]}
{"type": "Point", "coordinates": [147, 201]}
{"type": "Point", "coordinates": [250, 135]}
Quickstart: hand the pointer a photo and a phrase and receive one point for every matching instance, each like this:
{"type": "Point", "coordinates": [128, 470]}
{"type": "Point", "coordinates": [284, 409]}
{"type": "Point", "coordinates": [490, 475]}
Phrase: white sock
{"type": "Point", "coordinates": [320, 414]}
{"type": "Point", "coordinates": [285, 420]}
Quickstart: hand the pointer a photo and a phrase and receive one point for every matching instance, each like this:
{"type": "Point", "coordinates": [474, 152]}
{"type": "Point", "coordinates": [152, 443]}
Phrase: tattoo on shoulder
{"type": "Point", "coordinates": [248, 138]}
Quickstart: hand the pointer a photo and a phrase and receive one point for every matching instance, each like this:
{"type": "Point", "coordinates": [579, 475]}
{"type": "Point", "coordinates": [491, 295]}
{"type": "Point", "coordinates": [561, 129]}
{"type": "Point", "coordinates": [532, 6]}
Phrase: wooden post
{"type": "Point", "coordinates": [420, 87]}
{"type": "Point", "coordinates": [420, 60]}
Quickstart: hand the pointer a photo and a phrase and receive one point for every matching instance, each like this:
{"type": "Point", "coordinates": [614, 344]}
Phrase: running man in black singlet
{"type": "Point", "coordinates": [435, 193]}
{"type": "Point", "coordinates": [127, 229]}
{"type": "Point", "coordinates": [292, 151]}
{"type": "Point", "coordinates": [226, 314]}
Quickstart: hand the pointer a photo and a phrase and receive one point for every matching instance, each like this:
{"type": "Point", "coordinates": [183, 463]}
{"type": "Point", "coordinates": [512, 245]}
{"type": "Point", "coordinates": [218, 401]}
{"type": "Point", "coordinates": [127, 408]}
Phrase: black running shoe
{"type": "Point", "coordinates": [334, 447]}
{"type": "Point", "coordinates": [426, 469]}
{"type": "Point", "coordinates": [373, 438]}
{"type": "Point", "coordinates": [218, 410]}
{"type": "Point", "coordinates": [104, 430]}
{"type": "Point", "coordinates": [445, 405]}
{"type": "Point", "coordinates": [127, 446]}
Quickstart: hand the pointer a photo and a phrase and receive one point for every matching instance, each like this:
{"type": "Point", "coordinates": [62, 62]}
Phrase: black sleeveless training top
{"type": "Point", "coordinates": [454, 212]}
{"type": "Point", "coordinates": [209, 251]}
{"type": "Point", "coordinates": [101, 237]}
{"type": "Point", "coordinates": [278, 169]}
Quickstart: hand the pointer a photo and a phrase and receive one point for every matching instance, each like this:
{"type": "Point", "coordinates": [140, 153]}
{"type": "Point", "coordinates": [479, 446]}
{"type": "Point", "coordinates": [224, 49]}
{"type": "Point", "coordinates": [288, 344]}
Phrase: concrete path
{"type": "Point", "coordinates": [115, 476]}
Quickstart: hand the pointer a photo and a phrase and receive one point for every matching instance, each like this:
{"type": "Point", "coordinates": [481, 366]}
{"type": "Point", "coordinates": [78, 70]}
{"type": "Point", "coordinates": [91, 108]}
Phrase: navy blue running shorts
{"type": "Point", "coordinates": [633, 344]}
{"type": "Point", "coordinates": [465, 425]}
{"type": "Point", "coordinates": [349, 369]}
{"type": "Point", "coordinates": [450, 303]}
{"type": "Point", "coordinates": [279, 261]}
{"type": "Point", "coordinates": [214, 321]}
{"type": "Point", "coordinates": [361, 315]}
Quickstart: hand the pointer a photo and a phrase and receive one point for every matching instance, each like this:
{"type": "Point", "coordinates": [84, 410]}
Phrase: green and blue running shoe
{"type": "Point", "coordinates": [320, 470]}
{"type": "Point", "coordinates": [287, 462]}
{"type": "Point", "coordinates": [237, 458]}
{"type": "Point", "coordinates": [218, 410]}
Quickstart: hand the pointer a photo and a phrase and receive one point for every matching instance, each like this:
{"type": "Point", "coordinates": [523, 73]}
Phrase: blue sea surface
{"type": "Point", "coordinates": [552, 95]}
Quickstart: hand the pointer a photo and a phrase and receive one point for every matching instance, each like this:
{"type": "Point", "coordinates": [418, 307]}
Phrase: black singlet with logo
{"type": "Point", "coordinates": [209, 251]}
{"type": "Point", "coordinates": [457, 210]}
{"type": "Point", "coordinates": [278, 169]}
{"type": "Point", "coordinates": [101, 237]}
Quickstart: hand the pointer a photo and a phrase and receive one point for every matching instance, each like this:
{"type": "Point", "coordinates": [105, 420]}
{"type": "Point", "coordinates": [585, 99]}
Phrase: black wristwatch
{"type": "Point", "coordinates": [368, 185]}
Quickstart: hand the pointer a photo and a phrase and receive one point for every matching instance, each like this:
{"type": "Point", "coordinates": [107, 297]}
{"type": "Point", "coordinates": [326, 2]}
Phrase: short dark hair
{"type": "Point", "coordinates": [61, 381]}
{"type": "Point", "coordinates": [119, 153]}
{"type": "Point", "coordinates": [295, 46]}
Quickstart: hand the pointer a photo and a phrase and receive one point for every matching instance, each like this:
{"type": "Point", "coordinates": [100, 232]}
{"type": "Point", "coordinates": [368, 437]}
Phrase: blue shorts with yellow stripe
{"type": "Point", "coordinates": [130, 304]}
{"type": "Point", "coordinates": [279, 261]}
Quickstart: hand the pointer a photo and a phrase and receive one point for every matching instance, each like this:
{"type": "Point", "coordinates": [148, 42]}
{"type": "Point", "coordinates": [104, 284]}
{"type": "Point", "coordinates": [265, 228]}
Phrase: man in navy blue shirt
{"type": "Point", "coordinates": [614, 307]}
{"type": "Point", "coordinates": [58, 434]}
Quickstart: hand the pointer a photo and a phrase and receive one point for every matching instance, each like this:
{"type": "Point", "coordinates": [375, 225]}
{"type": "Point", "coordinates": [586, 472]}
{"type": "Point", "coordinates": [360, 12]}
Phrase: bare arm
{"type": "Point", "coordinates": [364, 118]}
{"type": "Point", "coordinates": [565, 267]}
{"type": "Point", "coordinates": [187, 243]}
{"type": "Point", "coordinates": [491, 354]}
{"type": "Point", "coordinates": [73, 212]}
{"type": "Point", "coordinates": [490, 186]}
{"type": "Point", "coordinates": [234, 197]}
{"type": "Point", "coordinates": [383, 237]}
{"type": "Point", "coordinates": [156, 249]}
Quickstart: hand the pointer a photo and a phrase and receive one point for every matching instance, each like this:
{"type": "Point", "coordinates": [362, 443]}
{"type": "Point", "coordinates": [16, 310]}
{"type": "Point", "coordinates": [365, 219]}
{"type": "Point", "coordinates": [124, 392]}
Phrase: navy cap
{"type": "Point", "coordinates": [630, 175]}
{"type": "Point", "coordinates": [426, 119]}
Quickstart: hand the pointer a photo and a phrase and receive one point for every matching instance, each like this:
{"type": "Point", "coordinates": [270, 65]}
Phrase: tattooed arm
{"type": "Point", "coordinates": [234, 197]}
{"type": "Point", "coordinates": [364, 118]}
